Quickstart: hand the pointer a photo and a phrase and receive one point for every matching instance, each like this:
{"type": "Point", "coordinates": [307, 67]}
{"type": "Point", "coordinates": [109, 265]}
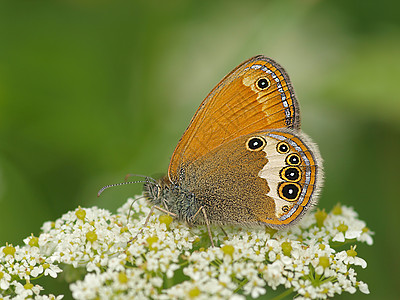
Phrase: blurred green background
{"type": "Point", "coordinates": [93, 90]}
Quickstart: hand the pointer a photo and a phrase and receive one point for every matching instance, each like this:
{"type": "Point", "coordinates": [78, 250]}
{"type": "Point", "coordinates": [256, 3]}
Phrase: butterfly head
{"type": "Point", "coordinates": [155, 191]}
{"type": "Point", "coordinates": [152, 191]}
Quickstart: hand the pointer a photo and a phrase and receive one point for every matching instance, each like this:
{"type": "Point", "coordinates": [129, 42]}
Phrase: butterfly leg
{"type": "Point", "coordinates": [130, 208]}
{"type": "Point", "coordinates": [166, 206]}
{"type": "Point", "coordinates": [148, 218]}
{"type": "Point", "coordinates": [223, 231]}
{"type": "Point", "coordinates": [144, 225]}
{"type": "Point", "coordinates": [208, 225]}
{"type": "Point", "coordinates": [195, 215]}
{"type": "Point", "coordinates": [207, 222]}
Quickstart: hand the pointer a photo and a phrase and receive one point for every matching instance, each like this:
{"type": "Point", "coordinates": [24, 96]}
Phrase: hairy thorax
{"type": "Point", "coordinates": [175, 199]}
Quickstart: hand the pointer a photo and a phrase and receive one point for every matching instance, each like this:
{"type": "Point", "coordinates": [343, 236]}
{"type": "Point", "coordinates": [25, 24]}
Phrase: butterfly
{"type": "Point", "coordinates": [243, 159]}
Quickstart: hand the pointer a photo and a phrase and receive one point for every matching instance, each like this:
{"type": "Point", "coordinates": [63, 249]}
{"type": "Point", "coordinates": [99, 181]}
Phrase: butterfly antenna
{"type": "Point", "coordinates": [118, 184]}
{"type": "Point", "coordinates": [139, 175]}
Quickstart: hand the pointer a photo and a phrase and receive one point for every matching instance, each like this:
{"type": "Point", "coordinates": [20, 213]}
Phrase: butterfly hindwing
{"type": "Point", "coordinates": [267, 177]}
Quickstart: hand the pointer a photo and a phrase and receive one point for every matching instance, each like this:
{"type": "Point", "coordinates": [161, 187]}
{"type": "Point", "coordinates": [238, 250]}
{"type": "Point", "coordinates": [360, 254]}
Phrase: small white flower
{"type": "Point", "coordinates": [366, 236]}
{"type": "Point", "coordinates": [352, 260]}
{"type": "Point", "coordinates": [339, 237]}
{"type": "Point", "coordinates": [363, 287]}
{"type": "Point", "coordinates": [37, 271]}
{"type": "Point", "coordinates": [52, 270]}
{"type": "Point", "coordinates": [49, 297]}
{"type": "Point", "coordinates": [5, 279]}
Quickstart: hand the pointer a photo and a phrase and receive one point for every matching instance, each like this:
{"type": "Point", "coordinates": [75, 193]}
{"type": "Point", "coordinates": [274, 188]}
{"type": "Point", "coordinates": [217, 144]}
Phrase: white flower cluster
{"type": "Point", "coordinates": [167, 260]}
{"type": "Point", "coordinates": [21, 265]}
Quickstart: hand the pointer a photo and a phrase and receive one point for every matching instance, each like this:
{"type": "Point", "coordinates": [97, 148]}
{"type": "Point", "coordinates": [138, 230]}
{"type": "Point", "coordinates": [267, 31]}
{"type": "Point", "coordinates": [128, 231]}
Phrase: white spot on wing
{"type": "Point", "coordinates": [270, 172]}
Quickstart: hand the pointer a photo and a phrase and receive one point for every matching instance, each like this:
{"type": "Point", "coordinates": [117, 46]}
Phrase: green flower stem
{"type": "Point", "coordinates": [284, 294]}
{"type": "Point", "coordinates": [242, 283]}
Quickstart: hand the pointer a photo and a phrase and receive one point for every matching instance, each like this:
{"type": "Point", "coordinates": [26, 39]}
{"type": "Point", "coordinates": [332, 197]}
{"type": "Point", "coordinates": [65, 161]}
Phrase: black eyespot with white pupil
{"type": "Point", "coordinates": [289, 191]}
{"type": "Point", "coordinates": [290, 173]}
{"type": "Point", "coordinates": [255, 144]}
{"type": "Point", "coordinates": [262, 83]}
{"type": "Point", "coordinates": [293, 159]}
{"type": "Point", "coordinates": [282, 148]}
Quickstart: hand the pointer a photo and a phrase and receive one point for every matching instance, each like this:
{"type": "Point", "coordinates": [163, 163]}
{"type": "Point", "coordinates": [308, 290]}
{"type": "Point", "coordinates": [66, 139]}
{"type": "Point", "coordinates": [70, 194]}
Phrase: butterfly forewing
{"type": "Point", "coordinates": [257, 95]}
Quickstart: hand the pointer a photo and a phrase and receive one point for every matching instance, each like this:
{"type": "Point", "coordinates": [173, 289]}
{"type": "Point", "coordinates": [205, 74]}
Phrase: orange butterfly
{"type": "Point", "coordinates": [243, 159]}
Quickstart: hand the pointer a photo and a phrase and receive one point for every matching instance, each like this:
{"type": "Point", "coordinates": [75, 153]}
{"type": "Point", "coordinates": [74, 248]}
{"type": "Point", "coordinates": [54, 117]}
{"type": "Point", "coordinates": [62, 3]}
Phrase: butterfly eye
{"type": "Point", "coordinates": [289, 191]}
{"type": "Point", "coordinates": [262, 83]}
{"type": "Point", "coordinates": [290, 174]}
{"type": "Point", "coordinates": [293, 159]}
{"type": "Point", "coordinates": [282, 148]}
{"type": "Point", "coordinates": [255, 144]}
